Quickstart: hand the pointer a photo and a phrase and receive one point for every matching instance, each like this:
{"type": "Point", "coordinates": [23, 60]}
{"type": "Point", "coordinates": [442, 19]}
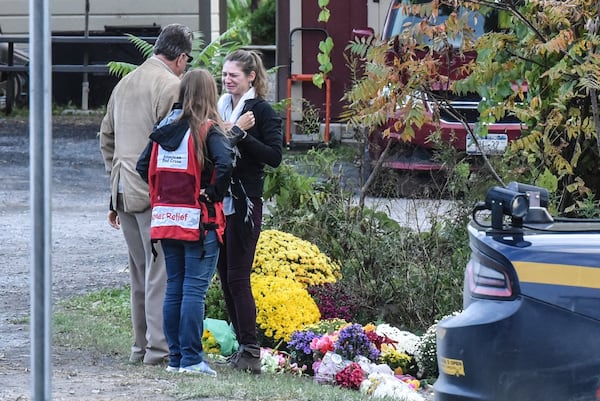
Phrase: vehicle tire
{"type": "Point", "coordinates": [16, 96]}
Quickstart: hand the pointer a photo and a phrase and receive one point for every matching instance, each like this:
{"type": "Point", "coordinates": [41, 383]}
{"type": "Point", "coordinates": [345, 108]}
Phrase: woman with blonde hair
{"type": "Point", "coordinates": [257, 136]}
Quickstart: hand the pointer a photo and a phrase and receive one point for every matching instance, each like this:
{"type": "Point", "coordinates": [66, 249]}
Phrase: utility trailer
{"type": "Point", "coordinates": [85, 37]}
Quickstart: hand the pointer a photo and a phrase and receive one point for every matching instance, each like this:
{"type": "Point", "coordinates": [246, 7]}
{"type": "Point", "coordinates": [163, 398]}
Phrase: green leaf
{"type": "Point", "coordinates": [324, 15]}
{"type": "Point", "coordinates": [120, 68]}
{"type": "Point", "coordinates": [323, 46]}
{"type": "Point", "coordinates": [145, 48]}
{"type": "Point", "coordinates": [318, 80]}
{"type": "Point", "coordinates": [326, 67]}
{"type": "Point", "coordinates": [548, 180]}
{"type": "Point", "coordinates": [323, 58]}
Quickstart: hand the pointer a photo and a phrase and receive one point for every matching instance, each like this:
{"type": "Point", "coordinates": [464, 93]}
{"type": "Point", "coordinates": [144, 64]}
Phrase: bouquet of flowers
{"type": "Point", "coordinates": [300, 349]}
{"type": "Point", "coordinates": [353, 341]}
{"type": "Point", "coordinates": [351, 376]}
{"type": "Point", "coordinates": [210, 345]}
{"type": "Point", "coordinates": [274, 361]}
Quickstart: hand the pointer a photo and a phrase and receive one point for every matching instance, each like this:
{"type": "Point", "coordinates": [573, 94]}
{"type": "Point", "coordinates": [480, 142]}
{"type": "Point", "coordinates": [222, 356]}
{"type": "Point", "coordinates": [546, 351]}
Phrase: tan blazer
{"type": "Point", "coordinates": [140, 100]}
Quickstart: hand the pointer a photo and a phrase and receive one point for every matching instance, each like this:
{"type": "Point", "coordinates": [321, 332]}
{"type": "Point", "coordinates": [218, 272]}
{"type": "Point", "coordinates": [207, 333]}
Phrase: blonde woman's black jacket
{"type": "Point", "coordinates": [262, 146]}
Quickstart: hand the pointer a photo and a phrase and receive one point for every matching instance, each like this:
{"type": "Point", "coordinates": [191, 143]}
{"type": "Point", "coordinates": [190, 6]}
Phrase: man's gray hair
{"type": "Point", "coordinates": [173, 40]}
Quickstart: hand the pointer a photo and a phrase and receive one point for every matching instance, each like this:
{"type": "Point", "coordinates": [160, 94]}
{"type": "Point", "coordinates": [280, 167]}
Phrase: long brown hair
{"type": "Point", "coordinates": [199, 95]}
{"type": "Point", "coordinates": [248, 61]}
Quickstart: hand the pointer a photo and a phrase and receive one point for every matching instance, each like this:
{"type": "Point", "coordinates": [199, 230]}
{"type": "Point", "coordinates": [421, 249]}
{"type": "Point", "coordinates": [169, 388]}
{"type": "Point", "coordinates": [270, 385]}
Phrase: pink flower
{"type": "Point", "coordinates": [322, 344]}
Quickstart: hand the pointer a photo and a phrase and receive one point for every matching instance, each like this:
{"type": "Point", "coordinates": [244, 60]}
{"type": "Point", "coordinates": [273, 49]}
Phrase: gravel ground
{"type": "Point", "coordinates": [87, 255]}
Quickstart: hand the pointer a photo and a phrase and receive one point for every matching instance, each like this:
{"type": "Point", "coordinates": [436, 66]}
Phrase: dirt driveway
{"type": "Point", "coordinates": [87, 255]}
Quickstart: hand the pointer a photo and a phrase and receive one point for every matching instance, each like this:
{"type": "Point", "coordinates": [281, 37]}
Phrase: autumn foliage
{"type": "Point", "coordinates": [540, 65]}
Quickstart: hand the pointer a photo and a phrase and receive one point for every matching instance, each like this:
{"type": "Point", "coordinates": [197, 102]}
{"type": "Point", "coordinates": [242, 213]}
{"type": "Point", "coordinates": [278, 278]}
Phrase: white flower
{"type": "Point", "coordinates": [405, 341]}
{"type": "Point", "coordinates": [380, 385]}
{"type": "Point", "coordinates": [270, 362]}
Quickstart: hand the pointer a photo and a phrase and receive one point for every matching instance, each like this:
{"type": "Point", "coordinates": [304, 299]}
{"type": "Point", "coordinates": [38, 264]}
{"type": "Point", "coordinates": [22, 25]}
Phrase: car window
{"type": "Point", "coordinates": [397, 21]}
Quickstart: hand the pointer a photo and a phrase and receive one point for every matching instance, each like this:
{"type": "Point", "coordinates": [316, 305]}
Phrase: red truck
{"type": "Point", "coordinates": [416, 154]}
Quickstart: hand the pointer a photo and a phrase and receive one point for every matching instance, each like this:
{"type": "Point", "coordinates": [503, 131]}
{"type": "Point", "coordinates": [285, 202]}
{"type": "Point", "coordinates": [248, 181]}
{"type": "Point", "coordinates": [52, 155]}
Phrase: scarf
{"type": "Point", "coordinates": [225, 106]}
{"type": "Point", "coordinates": [238, 202]}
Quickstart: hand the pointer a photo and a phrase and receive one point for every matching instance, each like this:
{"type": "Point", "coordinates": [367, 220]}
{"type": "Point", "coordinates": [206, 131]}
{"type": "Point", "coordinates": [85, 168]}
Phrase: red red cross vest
{"type": "Point", "coordinates": [178, 209]}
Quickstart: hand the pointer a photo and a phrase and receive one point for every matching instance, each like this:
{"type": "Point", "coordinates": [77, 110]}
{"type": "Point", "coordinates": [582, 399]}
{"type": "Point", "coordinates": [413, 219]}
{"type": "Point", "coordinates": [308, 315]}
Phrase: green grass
{"type": "Point", "coordinates": [99, 323]}
{"type": "Point", "coordinates": [232, 385]}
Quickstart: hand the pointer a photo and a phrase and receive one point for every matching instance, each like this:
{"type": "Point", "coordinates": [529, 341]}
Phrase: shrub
{"type": "Point", "coordinates": [215, 303]}
{"type": "Point", "coordinates": [335, 301]}
{"type": "Point", "coordinates": [407, 278]}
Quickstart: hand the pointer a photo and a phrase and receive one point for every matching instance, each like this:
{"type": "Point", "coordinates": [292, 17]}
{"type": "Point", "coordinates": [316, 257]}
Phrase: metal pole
{"type": "Point", "coordinates": [40, 157]}
{"type": "Point", "coordinates": [204, 14]}
{"type": "Point", "coordinates": [10, 82]}
{"type": "Point", "coordinates": [222, 16]}
{"type": "Point", "coordinates": [85, 85]}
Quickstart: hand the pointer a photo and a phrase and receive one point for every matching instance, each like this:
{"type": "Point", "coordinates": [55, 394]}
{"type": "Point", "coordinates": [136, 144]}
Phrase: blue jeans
{"type": "Point", "coordinates": [190, 268]}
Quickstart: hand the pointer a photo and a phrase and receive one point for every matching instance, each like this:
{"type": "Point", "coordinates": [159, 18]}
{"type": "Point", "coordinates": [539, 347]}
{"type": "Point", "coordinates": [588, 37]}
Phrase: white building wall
{"type": "Point", "coordinates": [69, 15]}
{"type": "Point", "coordinates": [215, 20]}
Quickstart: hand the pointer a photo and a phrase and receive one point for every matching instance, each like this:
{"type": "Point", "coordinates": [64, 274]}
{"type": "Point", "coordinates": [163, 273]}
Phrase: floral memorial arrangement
{"type": "Point", "coordinates": [304, 315]}
{"type": "Point", "coordinates": [377, 360]}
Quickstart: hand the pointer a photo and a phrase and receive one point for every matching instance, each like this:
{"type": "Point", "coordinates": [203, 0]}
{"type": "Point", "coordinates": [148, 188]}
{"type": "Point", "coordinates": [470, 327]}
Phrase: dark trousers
{"type": "Point", "coordinates": [235, 266]}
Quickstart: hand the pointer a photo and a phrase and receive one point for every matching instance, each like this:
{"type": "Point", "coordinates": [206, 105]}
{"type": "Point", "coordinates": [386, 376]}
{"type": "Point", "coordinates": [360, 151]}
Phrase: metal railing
{"type": "Point", "coordinates": [11, 67]}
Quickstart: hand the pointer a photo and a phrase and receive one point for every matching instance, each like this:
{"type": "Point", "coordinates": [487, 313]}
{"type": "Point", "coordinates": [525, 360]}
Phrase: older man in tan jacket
{"type": "Point", "coordinates": [140, 100]}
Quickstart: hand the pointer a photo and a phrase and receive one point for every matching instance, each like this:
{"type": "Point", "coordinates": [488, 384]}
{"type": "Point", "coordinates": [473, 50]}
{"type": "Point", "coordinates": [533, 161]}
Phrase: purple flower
{"type": "Point", "coordinates": [300, 341]}
{"type": "Point", "coordinates": [299, 348]}
{"type": "Point", "coordinates": [335, 300]}
{"type": "Point", "coordinates": [353, 341]}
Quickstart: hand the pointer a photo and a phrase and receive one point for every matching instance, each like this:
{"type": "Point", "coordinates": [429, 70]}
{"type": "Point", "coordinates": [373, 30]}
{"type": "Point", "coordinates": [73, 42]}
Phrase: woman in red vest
{"type": "Point", "coordinates": [189, 171]}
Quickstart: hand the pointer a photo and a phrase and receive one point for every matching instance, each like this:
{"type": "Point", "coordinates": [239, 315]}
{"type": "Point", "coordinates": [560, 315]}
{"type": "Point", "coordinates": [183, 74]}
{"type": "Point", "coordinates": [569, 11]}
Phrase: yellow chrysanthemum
{"type": "Point", "coordinates": [209, 343]}
{"type": "Point", "coordinates": [284, 255]}
{"type": "Point", "coordinates": [394, 358]}
{"type": "Point", "coordinates": [282, 306]}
